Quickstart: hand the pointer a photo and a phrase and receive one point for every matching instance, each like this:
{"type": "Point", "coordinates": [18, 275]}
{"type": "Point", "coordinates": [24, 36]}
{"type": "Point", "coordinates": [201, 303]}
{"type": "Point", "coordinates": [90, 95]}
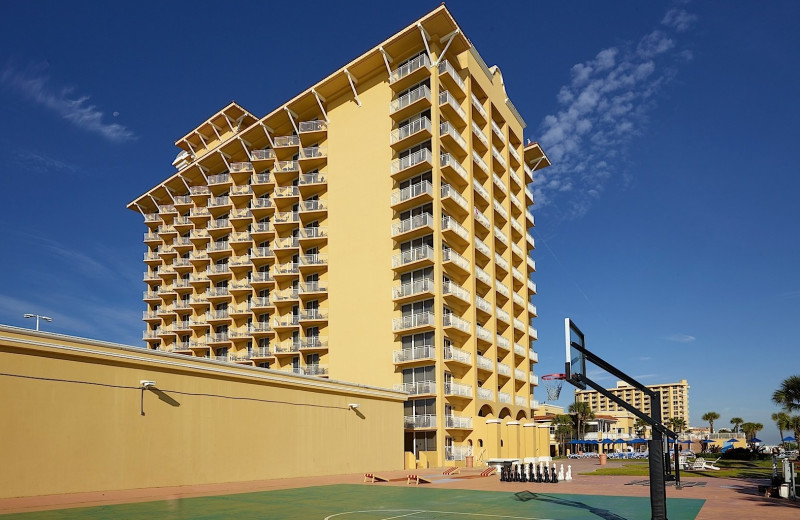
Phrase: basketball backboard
{"type": "Point", "coordinates": [575, 366]}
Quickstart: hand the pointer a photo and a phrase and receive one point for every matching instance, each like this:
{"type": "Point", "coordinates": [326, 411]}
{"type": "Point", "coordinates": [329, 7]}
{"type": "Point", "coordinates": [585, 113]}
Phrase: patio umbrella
{"type": "Point", "coordinates": [637, 441]}
{"type": "Point", "coordinates": [619, 441]}
{"type": "Point", "coordinates": [789, 439]}
{"type": "Point", "coordinates": [732, 440]}
{"type": "Point", "coordinates": [706, 441]}
{"type": "Point", "coordinates": [591, 442]}
{"type": "Point", "coordinates": [756, 439]}
{"type": "Point", "coordinates": [608, 441]}
{"type": "Point", "coordinates": [576, 441]}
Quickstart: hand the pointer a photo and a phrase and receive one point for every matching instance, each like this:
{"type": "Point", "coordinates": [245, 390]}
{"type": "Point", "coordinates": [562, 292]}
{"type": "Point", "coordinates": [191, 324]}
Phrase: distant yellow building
{"type": "Point", "coordinates": [373, 229]}
{"type": "Point", "coordinates": [674, 399]}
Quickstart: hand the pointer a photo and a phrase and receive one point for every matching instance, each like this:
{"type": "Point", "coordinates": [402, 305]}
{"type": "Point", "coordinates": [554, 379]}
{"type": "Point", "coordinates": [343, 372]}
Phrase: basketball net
{"type": "Point", "coordinates": [553, 387]}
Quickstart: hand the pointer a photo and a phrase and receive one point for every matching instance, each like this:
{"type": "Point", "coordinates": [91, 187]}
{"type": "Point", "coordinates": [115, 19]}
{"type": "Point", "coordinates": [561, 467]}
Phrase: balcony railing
{"type": "Point", "coordinates": [447, 129]}
{"type": "Point", "coordinates": [458, 389]}
{"type": "Point", "coordinates": [410, 224]}
{"type": "Point", "coordinates": [479, 107]}
{"type": "Point", "coordinates": [446, 98]}
{"type": "Point", "coordinates": [411, 422]}
{"type": "Point", "coordinates": [499, 183]}
{"type": "Point", "coordinates": [448, 255]}
{"type": "Point", "coordinates": [516, 202]}
{"type": "Point", "coordinates": [503, 316]}
{"type": "Point", "coordinates": [414, 353]}
{"type": "Point", "coordinates": [483, 305]}
{"type": "Point", "coordinates": [531, 286]}
{"type": "Point", "coordinates": [413, 255]}
{"type": "Point", "coordinates": [515, 155]}
{"type": "Point", "coordinates": [457, 421]}
{"type": "Point", "coordinates": [241, 167]}
{"type": "Point", "coordinates": [486, 364]}
{"type": "Point", "coordinates": [531, 263]}
{"type": "Point", "coordinates": [408, 67]}
{"type": "Point", "coordinates": [533, 356]}
{"type": "Point", "coordinates": [534, 404]}
{"type": "Point", "coordinates": [424, 285]}
{"type": "Point", "coordinates": [480, 190]}
{"type": "Point", "coordinates": [418, 157]}
{"type": "Point", "coordinates": [313, 232]}
{"type": "Point", "coordinates": [519, 375]}
{"type": "Point", "coordinates": [486, 394]}
{"type": "Point", "coordinates": [501, 236]}
{"type": "Point", "coordinates": [457, 452]}
{"type": "Point", "coordinates": [446, 68]}
{"type": "Point", "coordinates": [451, 320]}
{"type": "Point", "coordinates": [501, 288]}
{"type": "Point", "coordinates": [314, 259]}
{"type": "Point", "coordinates": [314, 314]}
{"type": "Point", "coordinates": [313, 287]}
{"type": "Point", "coordinates": [501, 262]}
{"type": "Point", "coordinates": [519, 350]}
{"type": "Point", "coordinates": [417, 388]}
{"type": "Point", "coordinates": [448, 223]}
{"type": "Point", "coordinates": [504, 397]}
{"type": "Point", "coordinates": [520, 400]}
{"type": "Point", "coordinates": [497, 130]}
{"type": "Point", "coordinates": [312, 126]}
{"type": "Point", "coordinates": [449, 287]}
{"type": "Point", "coordinates": [413, 320]}
{"type": "Point", "coordinates": [517, 274]}
{"type": "Point", "coordinates": [480, 162]}
{"type": "Point", "coordinates": [312, 178]}
{"type": "Point", "coordinates": [498, 157]}
{"type": "Point", "coordinates": [483, 276]}
{"type": "Point", "coordinates": [456, 354]}
{"type": "Point", "coordinates": [286, 166]}
{"type": "Point", "coordinates": [521, 230]}
{"type": "Point", "coordinates": [534, 380]}
{"type": "Point", "coordinates": [263, 155]}
{"type": "Point", "coordinates": [503, 369]}
{"type": "Point", "coordinates": [445, 159]}
{"type": "Point", "coordinates": [501, 210]}
{"type": "Point", "coordinates": [502, 342]}
{"type": "Point", "coordinates": [480, 245]}
{"type": "Point", "coordinates": [448, 192]}
{"type": "Point", "coordinates": [519, 325]}
{"type": "Point", "coordinates": [410, 97]}
{"type": "Point", "coordinates": [287, 191]}
{"type": "Point", "coordinates": [286, 140]}
{"type": "Point", "coordinates": [313, 152]}
{"type": "Point", "coordinates": [415, 190]}
{"type": "Point", "coordinates": [315, 370]}
{"type": "Point", "coordinates": [413, 127]}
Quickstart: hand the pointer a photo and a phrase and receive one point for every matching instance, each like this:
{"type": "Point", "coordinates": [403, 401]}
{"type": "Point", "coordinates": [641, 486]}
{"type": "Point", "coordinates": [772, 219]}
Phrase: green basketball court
{"type": "Point", "coordinates": [360, 502]}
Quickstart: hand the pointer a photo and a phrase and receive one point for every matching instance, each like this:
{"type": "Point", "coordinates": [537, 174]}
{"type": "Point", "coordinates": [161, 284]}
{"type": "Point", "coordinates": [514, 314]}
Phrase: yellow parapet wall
{"type": "Point", "coordinates": [71, 415]}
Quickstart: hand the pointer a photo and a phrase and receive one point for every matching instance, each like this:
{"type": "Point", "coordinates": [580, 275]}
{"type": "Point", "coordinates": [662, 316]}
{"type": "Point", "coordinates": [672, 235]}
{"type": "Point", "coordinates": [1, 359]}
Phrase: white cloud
{"type": "Point", "coordinates": [680, 338]}
{"type": "Point", "coordinates": [679, 20]}
{"type": "Point", "coordinates": [41, 163]}
{"type": "Point", "coordinates": [75, 109]}
{"type": "Point", "coordinates": [602, 108]}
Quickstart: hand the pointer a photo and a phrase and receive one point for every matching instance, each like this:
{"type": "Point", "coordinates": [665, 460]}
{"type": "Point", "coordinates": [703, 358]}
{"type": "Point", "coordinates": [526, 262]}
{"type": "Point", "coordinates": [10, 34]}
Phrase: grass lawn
{"type": "Point", "coordinates": [728, 469]}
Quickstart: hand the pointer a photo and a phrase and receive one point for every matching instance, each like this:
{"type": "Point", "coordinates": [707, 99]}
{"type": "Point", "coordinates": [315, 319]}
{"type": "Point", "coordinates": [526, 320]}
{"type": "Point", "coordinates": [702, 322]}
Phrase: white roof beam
{"type": "Point", "coordinates": [425, 38]}
{"type": "Point", "coordinates": [387, 59]}
{"type": "Point", "coordinates": [353, 83]}
{"type": "Point", "coordinates": [292, 115]}
{"type": "Point", "coordinates": [320, 99]}
{"type": "Point", "coordinates": [267, 131]}
{"type": "Point", "coordinates": [452, 36]}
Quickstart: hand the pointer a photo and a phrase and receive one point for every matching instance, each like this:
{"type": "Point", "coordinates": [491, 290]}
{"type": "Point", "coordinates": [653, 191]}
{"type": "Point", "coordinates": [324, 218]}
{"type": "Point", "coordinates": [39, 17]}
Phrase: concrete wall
{"type": "Point", "coordinates": [71, 420]}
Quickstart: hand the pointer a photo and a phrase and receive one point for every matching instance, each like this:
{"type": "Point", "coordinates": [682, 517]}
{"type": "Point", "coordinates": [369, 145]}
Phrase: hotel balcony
{"type": "Point", "coordinates": [514, 177]}
{"type": "Point", "coordinates": [222, 178]}
{"type": "Point", "coordinates": [218, 270]}
{"type": "Point", "coordinates": [313, 288]}
{"type": "Point", "coordinates": [260, 303]}
{"type": "Point", "coordinates": [499, 163]}
{"type": "Point", "coordinates": [519, 350]}
{"type": "Point", "coordinates": [261, 353]}
{"type": "Point", "coordinates": [412, 102]}
{"type": "Point", "coordinates": [502, 342]}
{"type": "Point", "coordinates": [199, 212]}
{"type": "Point", "coordinates": [152, 218]}
{"type": "Point", "coordinates": [313, 208]}
{"type": "Point", "coordinates": [457, 452]}
{"type": "Point", "coordinates": [503, 316]}
{"type": "Point", "coordinates": [457, 422]}
{"type": "Point", "coordinates": [314, 370]}
{"type": "Point", "coordinates": [450, 78]}
{"type": "Point", "coordinates": [533, 333]}
{"type": "Point", "coordinates": [199, 191]}
{"type": "Point", "coordinates": [482, 142]}
{"type": "Point", "coordinates": [501, 188]}
{"type": "Point", "coordinates": [482, 305]}
{"type": "Point", "coordinates": [516, 160]}
{"type": "Point", "coordinates": [286, 218]}
{"type": "Point", "coordinates": [482, 333]}
{"type": "Point", "coordinates": [312, 130]}
{"type": "Point", "coordinates": [314, 343]}
{"type": "Point", "coordinates": [479, 110]}
{"type": "Point", "coordinates": [286, 269]}
{"type": "Point", "coordinates": [311, 182]}
{"type": "Point", "coordinates": [452, 139]}
{"type": "Point", "coordinates": [534, 357]}
{"type": "Point", "coordinates": [219, 337]}
{"type": "Point", "coordinates": [241, 167]}
{"type": "Point", "coordinates": [483, 193]}
{"type": "Point", "coordinates": [452, 169]}
{"type": "Point", "coordinates": [286, 192]}
{"type": "Point", "coordinates": [417, 422]}
{"type": "Point", "coordinates": [453, 389]}
{"type": "Point", "coordinates": [267, 154]}
{"type": "Point", "coordinates": [200, 301]}
{"type": "Point", "coordinates": [454, 232]}
{"type": "Point", "coordinates": [152, 238]}
{"type": "Point", "coordinates": [480, 163]}
{"type": "Point", "coordinates": [528, 196]}
{"type": "Point", "coordinates": [415, 131]}
{"type": "Point", "coordinates": [286, 141]}
{"type": "Point", "coordinates": [413, 290]}
{"type": "Point", "coordinates": [415, 257]}
{"type": "Point", "coordinates": [519, 325]}
{"type": "Point", "coordinates": [455, 295]}
{"type": "Point", "coordinates": [287, 321]}
{"type": "Point", "coordinates": [504, 397]}
{"type": "Point", "coordinates": [502, 265]}
{"type": "Point", "coordinates": [457, 355]}
{"type": "Point", "coordinates": [521, 400]}
{"type": "Point", "coordinates": [409, 355]}
{"type": "Point", "coordinates": [412, 227]}
{"type": "Point", "coordinates": [261, 230]}
{"type": "Point", "coordinates": [497, 134]}
{"type": "Point", "coordinates": [456, 324]}
{"type": "Point", "coordinates": [451, 108]}
{"type": "Point", "coordinates": [240, 263]}
{"type": "Point", "coordinates": [313, 262]}
{"type": "Point", "coordinates": [451, 258]}
{"type": "Point", "coordinates": [313, 315]}
{"type": "Point", "coordinates": [410, 71]}
{"type": "Point", "coordinates": [413, 163]}
{"type": "Point", "coordinates": [417, 388]}
{"type": "Point", "coordinates": [484, 363]}
{"type": "Point", "coordinates": [534, 404]}
{"type": "Point", "coordinates": [483, 277]}
{"type": "Point", "coordinates": [259, 328]}
{"type": "Point", "coordinates": [534, 380]}
{"type": "Point", "coordinates": [532, 310]}
{"type": "Point", "coordinates": [151, 296]}
{"type": "Point", "coordinates": [259, 279]}
{"type": "Point", "coordinates": [502, 290]}
{"type": "Point", "coordinates": [286, 167]}
{"type": "Point", "coordinates": [240, 193]}
{"type": "Point", "coordinates": [261, 206]}
{"type": "Point", "coordinates": [217, 315]}
{"type": "Point", "coordinates": [531, 263]}
{"type": "Point", "coordinates": [480, 245]}
{"type": "Point", "coordinates": [422, 320]}
{"type": "Point", "coordinates": [413, 195]}
{"type": "Point", "coordinates": [519, 278]}
{"type": "Point", "coordinates": [531, 287]}
{"type": "Point", "coordinates": [222, 203]}
{"type": "Point", "coordinates": [501, 239]}
{"type": "Point", "coordinates": [529, 219]}
{"type": "Point", "coordinates": [516, 205]}
{"type": "Point", "coordinates": [486, 394]}
{"type": "Point", "coordinates": [500, 211]}
{"type": "Point", "coordinates": [519, 375]}
{"type": "Point", "coordinates": [261, 253]}
{"type": "Point", "coordinates": [286, 243]}
{"type": "Point", "coordinates": [517, 232]}
{"type": "Point", "coordinates": [454, 201]}
{"type": "Point", "coordinates": [289, 295]}
{"type": "Point", "coordinates": [179, 347]}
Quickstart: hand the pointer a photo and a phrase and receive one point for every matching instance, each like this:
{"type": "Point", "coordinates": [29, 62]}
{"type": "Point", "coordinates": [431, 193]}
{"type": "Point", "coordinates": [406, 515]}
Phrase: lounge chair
{"type": "Point", "coordinates": [701, 464]}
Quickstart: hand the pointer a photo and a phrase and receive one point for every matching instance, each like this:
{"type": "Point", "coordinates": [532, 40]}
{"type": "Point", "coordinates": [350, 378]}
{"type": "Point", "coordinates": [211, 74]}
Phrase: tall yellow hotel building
{"type": "Point", "coordinates": [371, 229]}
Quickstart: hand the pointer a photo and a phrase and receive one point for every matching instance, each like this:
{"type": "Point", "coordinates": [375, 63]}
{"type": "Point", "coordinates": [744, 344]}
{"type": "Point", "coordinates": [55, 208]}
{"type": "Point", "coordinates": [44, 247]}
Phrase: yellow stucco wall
{"type": "Point", "coordinates": [71, 420]}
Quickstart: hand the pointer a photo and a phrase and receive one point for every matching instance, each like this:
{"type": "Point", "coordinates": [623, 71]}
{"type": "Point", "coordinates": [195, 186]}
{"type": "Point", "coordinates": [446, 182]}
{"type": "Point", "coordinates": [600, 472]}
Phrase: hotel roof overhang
{"type": "Point", "coordinates": [535, 158]}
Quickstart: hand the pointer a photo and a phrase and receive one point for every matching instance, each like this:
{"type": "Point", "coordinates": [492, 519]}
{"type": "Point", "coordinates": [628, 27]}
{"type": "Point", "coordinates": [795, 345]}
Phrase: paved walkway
{"type": "Point", "coordinates": [725, 498]}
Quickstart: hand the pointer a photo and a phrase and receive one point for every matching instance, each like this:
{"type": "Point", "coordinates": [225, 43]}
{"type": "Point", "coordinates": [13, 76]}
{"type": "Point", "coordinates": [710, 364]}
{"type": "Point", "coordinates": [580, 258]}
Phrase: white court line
{"type": "Point", "coordinates": [418, 511]}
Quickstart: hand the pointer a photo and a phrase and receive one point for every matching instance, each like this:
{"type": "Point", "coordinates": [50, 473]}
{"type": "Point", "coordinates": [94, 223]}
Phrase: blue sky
{"type": "Point", "coordinates": [667, 227]}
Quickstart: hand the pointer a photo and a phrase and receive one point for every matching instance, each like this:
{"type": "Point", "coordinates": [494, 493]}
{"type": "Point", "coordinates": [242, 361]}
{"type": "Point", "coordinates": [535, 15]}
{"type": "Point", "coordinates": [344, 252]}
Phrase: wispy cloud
{"type": "Point", "coordinates": [36, 162]}
{"type": "Point", "coordinates": [601, 109]}
{"type": "Point", "coordinates": [36, 86]}
{"type": "Point", "coordinates": [680, 338]}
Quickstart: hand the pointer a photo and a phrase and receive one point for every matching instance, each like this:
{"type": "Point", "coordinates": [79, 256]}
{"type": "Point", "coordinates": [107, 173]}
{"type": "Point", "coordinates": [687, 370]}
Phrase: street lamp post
{"type": "Point", "coordinates": [38, 317]}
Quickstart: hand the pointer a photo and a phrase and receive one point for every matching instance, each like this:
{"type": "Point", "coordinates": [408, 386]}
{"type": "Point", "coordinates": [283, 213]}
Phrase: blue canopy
{"type": "Point", "coordinates": [576, 441]}
{"type": "Point", "coordinates": [619, 441]}
{"type": "Point", "coordinates": [732, 440]}
{"type": "Point", "coordinates": [608, 441]}
{"type": "Point", "coordinates": [756, 439]}
{"type": "Point", "coordinates": [789, 439]}
{"type": "Point", "coordinates": [637, 441]}
{"type": "Point", "coordinates": [706, 441]}
{"type": "Point", "coordinates": [591, 442]}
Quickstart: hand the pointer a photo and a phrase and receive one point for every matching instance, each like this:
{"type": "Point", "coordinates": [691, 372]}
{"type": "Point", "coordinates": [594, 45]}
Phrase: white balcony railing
{"type": "Point", "coordinates": [483, 333]}
{"type": "Point", "coordinates": [417, 388]}
{"type": "Point", "coordinates": [501, 236]}
{"type": "Point", "coordinates": [503, 342]}
{"type": "Point", "coordinates": [449, 287]}
{"type": "Point", "coordinates": [457, 421]}
{"type": "Point", "coordinates": [503, 289]}
{"type": "Point", "coordinates": [479, 134]}
{"type": "Point", "coordinates": [480, 162]}
{"type": "Point", "coordinates": [447, 160]}
{"type": "Point", "coordinates": [534, 404]}
{"type": "Point", "coordinates": [486, 364]}
{"type": "Point", "coordinates": [410, 224]}
{"type": "Point", "coordinates": [504, 397]}
{"type": "Point", "coordinates": [520, 400]}
{"type": "Point", "coordinates": [503, 369]}
{"type": "Point", "coordinates": [421, 92]}
{"type": "Point", "coordinates": [410, 192]}
{"type": "Point", "coordinates": [448, 223]}
{"type": "Point", "coordinates": [483, 305]}
{"type": "Point", "coordinates": [446, 68]}
{"type": "Point", "coordinates": [448, 192]}
{"type": "Point", "coordinates": [412, 127]}
{"type": "Point", "coordinates": [451, 320]}
{"type": "Point", "coordinates": [446, 98]}
{"type": "Point", "coordinates": [486, 394]}
{"type": "Point", "coordinates": [413, 320]}
{"type": "Point", "coordinates": [500, 210]}
{"type": "Point", "coordinates": [409, 66]}
{"type": "Point", "coordinates": [533, 356]}
{"type": "Point", "coordinates": [498, 157]}
{"type": "Point", "coordinates": [480, 190]}
{"type": "Point", "coordinates": [457, 452]}
{"type": "Point", "coordinates": [502, 263]}
{"type": "Point", "coordinates": [418, 157]}
{"type": "Point", "coordinates": [414, 354]}
{"type": "Point", "coordinates": [534, 380]}
{"type": "Point", "coordinates": [448, 255]}
{"type": "Point", "coordinates": [519, 375]}
{"type": "Point", "coordinates": [519, 350]}
{"type": "Point", "coordinates": [512, 150]}
{"type": "Point", "coordinates": [456, 354]}
{"type": "Point", "coordinates": [499, 183]}
{"type": "Point", "coordinates": [447, 129]}
{"type": "Point", "coordinates": [483, 276]}
{"type": "Point", "coordinates": [479, 107]}
{"type": "Point", "coordinates": [419, 421]}
{"type": "Point", "coordinates": [413, 255]}
{"type": "Point", "coordinates": [286, 140]}
{"type": "Point", "coordinates": [459, 389]}
{"type": "Point", "coordinates": [424, 285]}
{"type": "Point", "coordinates": [313, 126]}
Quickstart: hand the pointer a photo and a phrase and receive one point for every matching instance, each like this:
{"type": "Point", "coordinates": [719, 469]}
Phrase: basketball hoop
{"type": "Point", "coordinates": [553, 384]}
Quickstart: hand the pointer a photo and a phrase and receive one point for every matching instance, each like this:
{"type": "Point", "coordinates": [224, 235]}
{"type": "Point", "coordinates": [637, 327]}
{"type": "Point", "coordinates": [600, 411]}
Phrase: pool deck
{"type": "Point", "coordinates": [725, 498]}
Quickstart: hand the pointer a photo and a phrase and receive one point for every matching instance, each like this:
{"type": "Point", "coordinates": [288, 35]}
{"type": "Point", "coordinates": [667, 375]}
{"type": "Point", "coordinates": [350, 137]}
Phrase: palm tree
{"type": "Point", "coordinates": [640, 427]}
{"type": "Point", "coordinates": [583, 412]}
{"type": "Point", "coordinates": [788, 395]}
{"type": "Point", "coordinates": [563, 427]}
{"type": "Point", "coordinates": [678, 424]}
{"type": "Point", "coordinates": [750, 429]}
{"type": "Point", "coordinates": [710, 417]}
{"type": "Point", "coordinates": [794, 424]}
{"type": "Point", "coordinates": [781, 421]}
{"type": "Point", "coordinates": [736, 422]}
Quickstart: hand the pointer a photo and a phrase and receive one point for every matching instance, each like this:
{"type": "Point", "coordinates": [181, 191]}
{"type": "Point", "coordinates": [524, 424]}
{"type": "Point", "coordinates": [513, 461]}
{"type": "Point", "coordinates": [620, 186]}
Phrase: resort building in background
{"type": "Point", "coordinates": [372, 229]}
{"type": "Point", "coordinates": [674, 400]}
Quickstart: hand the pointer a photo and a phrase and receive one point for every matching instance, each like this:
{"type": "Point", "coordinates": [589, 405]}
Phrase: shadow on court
{"type": "Point", "coordinates": [605, 514]}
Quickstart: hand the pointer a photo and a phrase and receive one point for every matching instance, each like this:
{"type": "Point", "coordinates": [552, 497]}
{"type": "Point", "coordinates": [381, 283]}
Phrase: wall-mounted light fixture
{"type": "Point", "coordinates": [353, 406]}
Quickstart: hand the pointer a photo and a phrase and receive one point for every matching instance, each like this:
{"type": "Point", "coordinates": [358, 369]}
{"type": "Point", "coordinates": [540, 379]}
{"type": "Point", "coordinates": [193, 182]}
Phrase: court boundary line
{"type": "Point", "coordinates": [418, 511]}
